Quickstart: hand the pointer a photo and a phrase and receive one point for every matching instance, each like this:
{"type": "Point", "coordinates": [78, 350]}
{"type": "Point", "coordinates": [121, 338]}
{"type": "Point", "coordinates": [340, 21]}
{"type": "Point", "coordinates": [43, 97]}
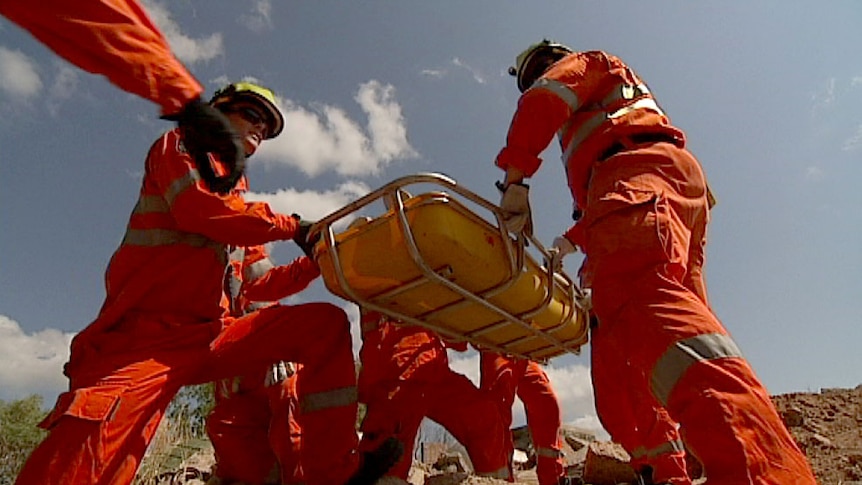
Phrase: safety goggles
{"type": "Point", "coordinates": [250, 114]}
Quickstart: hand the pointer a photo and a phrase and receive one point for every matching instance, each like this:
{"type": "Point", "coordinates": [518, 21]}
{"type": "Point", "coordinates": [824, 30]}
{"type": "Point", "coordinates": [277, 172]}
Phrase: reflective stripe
{"type": "Point", "coordinates": [237, 254]}
{"type": "Point", "coordinates": [583, 131]}
{"type": "Point", "coordinates": [666, 448]}
{"type": "Point", "coordinates": [501, 473]}
{"type": "Point", "coordinates": [625, 91]}
{"type": "Point", "coordinates": [563, 91]}
{"type": "Point", "coordinates": [257, 269]}
{"type": "Point", "coordinates": [335, 398]}
{"type": "Point", "coordinates": [680, 356]}
{"type": "Point", "coordinates": [225, 388]}
{"type": "Point", "coordinates": [181, 184]}
{"type": "Point", "coordinates": [644, 103]}
{"type": "Point", "coordinates": [166, 237]}
{"type": "Point", "coordinates": [151, 204]}
{"type": "Point", "coordinates": [587, 127]}
{"type": "Point", "coordinates": [549, 452]}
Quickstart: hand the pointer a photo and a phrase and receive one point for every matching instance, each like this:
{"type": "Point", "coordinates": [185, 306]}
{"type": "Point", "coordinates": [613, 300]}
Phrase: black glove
{"type": "Point", "coordinates": [300, 237]}
{"type": "Point", "coordinates": [206, 129]}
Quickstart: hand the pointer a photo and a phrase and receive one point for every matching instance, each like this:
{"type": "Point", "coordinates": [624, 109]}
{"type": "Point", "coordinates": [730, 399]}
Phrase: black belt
{"type": "Point", "coordinates": [628, 142]}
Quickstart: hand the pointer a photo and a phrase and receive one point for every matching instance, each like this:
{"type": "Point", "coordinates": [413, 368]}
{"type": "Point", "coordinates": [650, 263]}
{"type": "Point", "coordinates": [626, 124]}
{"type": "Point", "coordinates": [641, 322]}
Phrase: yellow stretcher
{"type": "Point", "coordinates": [432, 261]}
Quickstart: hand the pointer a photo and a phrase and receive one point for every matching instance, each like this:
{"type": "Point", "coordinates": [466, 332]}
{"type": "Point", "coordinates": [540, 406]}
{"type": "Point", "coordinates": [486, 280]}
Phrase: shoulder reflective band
{"type": "Point", "coordinates": [563, 91]}
{"type": "Point", "coordinates": [618, 93]}
{"type": "Point", "coordinates": [671, 366]}
{"type": "Point", "coordinates": [181, 184]}
{"type": "Point", "coordinates": [666, 448]}
{"type": "Point", "coordinates": [335, 398]}
{"type": "Point", "coordinates": [151, 204]}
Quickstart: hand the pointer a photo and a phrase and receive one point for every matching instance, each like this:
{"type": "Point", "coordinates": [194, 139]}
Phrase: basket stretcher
{"type": "Point", "coordinates": [431, 260]}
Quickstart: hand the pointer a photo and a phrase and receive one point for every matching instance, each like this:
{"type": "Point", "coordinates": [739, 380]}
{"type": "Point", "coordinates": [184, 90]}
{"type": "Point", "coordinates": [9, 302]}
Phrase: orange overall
{"type": "Point", "coordinates": [164, 325]}
{"type": "Point", "coordinates": [114, 38]}
{"type": "Point", "coordinates": [255, 430]}
{"type": "Point", "coordinates": [405, 377]}
{"type": "Point", "coordinates": [506, 377]}
{"type": "Point", "coordinates": [645, 209]}
{"type": "Point", "coordinates": [254, 427]}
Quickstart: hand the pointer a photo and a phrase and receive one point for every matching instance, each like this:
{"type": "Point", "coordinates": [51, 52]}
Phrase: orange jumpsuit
{"type": "Point", "coordinates": [645, 209]}
{"type": "Point", "coordinates": [405, 377]}
{"type": "Point", "coordinates": [639, 424]}
{"type": "Point", "coordinates": [505, 377]}
{"type": "Point", "coordinates": [255, 430]}
{"type": "Point", "coordinates": [114, 38]}
{"type": "Point", "coordinates": [164, 325]}
{"type": "Point", "coordinates": [252, 416]}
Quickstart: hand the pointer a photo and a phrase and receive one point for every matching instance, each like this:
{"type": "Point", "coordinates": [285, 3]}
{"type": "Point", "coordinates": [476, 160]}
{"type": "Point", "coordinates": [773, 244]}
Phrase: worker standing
{"type": "Point", "coordinates": [641, 210]}
{"type": "Point", "coordinates": [639, 424]}
{"type": "Point", "coordinates": [164, 324]}
{"type": "Point", "coordinates": [117, 39]}
{"type": "Point", "coordinates": [505, 377]}
{"type": "Point", "coordinates": [405, 377]}
{"type": "Point", "coordinates": [254, 427]}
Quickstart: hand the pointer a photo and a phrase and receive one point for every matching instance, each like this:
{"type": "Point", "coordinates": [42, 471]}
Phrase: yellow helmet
{"type": "Point", "coordinates": [535, 60]}
{"type": "Point", "coordinates": [253, 93]}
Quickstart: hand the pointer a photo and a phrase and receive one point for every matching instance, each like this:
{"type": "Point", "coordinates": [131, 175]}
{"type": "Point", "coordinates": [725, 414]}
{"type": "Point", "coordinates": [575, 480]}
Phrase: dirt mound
{"type": "Point", "coordinates": [828, 428]}
{"type": "Point", "coordinates": [826, 425]}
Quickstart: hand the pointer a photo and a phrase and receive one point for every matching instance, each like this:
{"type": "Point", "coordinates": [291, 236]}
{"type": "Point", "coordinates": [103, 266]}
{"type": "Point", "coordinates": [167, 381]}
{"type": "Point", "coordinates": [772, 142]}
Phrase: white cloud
{"type": "Point", "coordinates": [825, 96]}
{"type": "Point", "coordinates": [259, 19]}
{"type": "Point", "coordinates": [64, 85]}
{"type": "Point", "coordinates": [436, 73]}
{"type": "Point", "coordinates": [185, 48]}
{"type": "Point", "coordinates": [477, 76]}
{"type": "Point", "coordinates": [19, 76]}
{"type": "Point", "coordinates": [32, 363]}
{"type": "Point", "coordinates": [571, 383]}
{"type": "Point", "coordinates": [814, 173]}
{"type": "Point", "coordinates": [310, 204]}
{"type": "Point", "coordinates": [316, 142]}
{"type": "Point", "coordinates": [854, 141]}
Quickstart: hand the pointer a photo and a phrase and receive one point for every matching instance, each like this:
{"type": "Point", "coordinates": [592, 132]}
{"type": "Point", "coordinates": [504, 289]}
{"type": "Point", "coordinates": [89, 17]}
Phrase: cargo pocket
{"type": "Point", "coordinates": [90, 404]}
{"type": "Point", "coordinates": [674, 237]}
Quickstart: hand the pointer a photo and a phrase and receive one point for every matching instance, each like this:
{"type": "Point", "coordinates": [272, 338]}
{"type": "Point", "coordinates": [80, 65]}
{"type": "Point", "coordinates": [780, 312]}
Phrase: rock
{"type": "Point", "coordinates": [793, 417]}
{"type": "Point", "coordinates": [607, 463]}
{"type": "Point", "coordinates": [451, 462]}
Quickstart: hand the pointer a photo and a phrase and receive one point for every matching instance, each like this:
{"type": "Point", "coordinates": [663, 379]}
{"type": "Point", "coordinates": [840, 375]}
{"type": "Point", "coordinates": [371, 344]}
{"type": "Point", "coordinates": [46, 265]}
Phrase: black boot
{"type": "Point", "coordinates": [645, 478]}
{"type": "Point", "coordinates": [374, 464]}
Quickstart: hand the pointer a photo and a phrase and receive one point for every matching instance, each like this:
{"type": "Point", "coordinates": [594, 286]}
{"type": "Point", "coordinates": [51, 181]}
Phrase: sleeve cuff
{"type": "Point", "coordinates": [576, 236]}
{"type": "Point", "coordinates": [520, 159]}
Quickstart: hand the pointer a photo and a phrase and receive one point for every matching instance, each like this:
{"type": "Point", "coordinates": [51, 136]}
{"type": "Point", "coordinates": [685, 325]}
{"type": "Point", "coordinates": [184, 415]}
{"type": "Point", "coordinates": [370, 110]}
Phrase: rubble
{"type": "Point", "coordinates": [827, 425]}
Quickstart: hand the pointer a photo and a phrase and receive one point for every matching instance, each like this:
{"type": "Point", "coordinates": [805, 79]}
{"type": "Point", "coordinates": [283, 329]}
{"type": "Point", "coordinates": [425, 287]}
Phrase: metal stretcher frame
{"type": "Point", "coordinates": [516, 256]}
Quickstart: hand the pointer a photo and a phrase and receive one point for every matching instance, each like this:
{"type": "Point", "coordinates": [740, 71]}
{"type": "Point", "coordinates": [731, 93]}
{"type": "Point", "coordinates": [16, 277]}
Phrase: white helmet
{"type": "Point", "coordinates": [535, 60]}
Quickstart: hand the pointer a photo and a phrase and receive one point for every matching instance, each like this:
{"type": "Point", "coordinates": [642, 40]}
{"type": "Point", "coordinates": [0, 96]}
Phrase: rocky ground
{"type": "Point", "coordinates": [827, 425]}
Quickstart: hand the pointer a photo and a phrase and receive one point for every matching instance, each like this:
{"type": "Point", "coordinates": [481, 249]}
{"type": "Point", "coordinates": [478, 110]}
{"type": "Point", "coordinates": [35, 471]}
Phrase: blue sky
{"type": "Point", "coordinates": [769, 94]}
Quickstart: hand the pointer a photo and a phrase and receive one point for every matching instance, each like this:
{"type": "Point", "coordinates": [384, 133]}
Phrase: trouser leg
{"type": "Point", "coordinates": [473, 418]}
{"type": "Point", "coordinates": [544, 420]}
{"type": "Point", "coordinates": [316, 335]}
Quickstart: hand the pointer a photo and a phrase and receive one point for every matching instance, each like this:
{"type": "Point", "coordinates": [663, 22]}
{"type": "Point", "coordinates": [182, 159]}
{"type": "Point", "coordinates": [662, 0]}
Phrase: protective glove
{"type": "Point", "coordinates": [560, 248]}
{"type": "Point", "coordinates": [206, 129]}
{"type": "Point", "coordinates": [300, 237]}
{"type": "Point", "coordinates": [515, 204]}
